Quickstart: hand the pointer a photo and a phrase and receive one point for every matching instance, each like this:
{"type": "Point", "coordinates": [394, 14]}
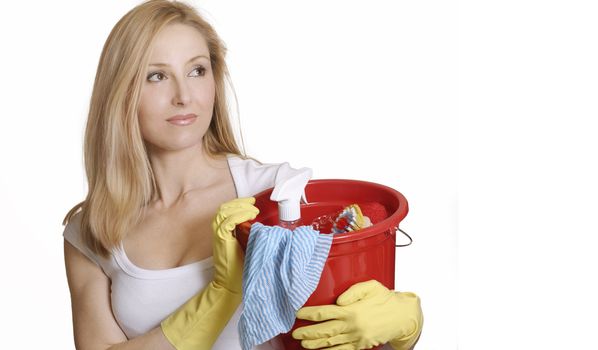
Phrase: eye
{"type": "Point", "coordinates": [155, 74]}
{"type": "Point", "coordinates": [201, 70]}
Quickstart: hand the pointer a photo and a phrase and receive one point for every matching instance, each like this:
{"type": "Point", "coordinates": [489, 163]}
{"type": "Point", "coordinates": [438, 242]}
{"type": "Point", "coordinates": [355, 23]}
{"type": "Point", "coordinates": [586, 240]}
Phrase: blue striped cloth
{"type": "Point", "coordinates": [282, 269]}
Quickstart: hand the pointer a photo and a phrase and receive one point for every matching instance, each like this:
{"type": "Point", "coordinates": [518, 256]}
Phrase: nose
{"type": "Point", "coordinates": [181, 94]}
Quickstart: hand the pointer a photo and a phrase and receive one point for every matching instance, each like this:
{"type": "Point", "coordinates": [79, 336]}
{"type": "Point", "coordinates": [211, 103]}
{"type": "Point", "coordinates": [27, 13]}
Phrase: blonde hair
{"type": "Point", "coordinates": [119, 174]}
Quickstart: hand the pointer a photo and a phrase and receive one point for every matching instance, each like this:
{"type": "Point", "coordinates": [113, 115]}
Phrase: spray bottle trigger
{"type": "Point", "coordinates": [304, 198]}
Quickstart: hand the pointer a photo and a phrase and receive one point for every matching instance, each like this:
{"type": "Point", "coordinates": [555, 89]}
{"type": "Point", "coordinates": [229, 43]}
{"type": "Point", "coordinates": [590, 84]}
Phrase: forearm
{"type": "Point", "coordinates": [152, 340]}
{"type": "Point", "coordinates": [198, 323]}
{"type": "Point", "coordinates": [407, 343]}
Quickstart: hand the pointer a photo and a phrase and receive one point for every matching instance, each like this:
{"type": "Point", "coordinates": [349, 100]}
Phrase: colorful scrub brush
{"type": "Point", "coordinates": [350, 219]}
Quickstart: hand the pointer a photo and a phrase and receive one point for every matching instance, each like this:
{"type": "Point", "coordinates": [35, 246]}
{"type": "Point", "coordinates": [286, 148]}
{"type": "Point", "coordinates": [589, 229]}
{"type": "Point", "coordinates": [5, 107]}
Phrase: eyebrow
{"type": "Point", "coordinates": [191, 60]}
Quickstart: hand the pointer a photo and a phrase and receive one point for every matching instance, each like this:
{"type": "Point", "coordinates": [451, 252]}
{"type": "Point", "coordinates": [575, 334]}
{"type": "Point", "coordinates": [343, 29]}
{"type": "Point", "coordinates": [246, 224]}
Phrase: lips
{"type": "Point", "coordinates": [181, 117]}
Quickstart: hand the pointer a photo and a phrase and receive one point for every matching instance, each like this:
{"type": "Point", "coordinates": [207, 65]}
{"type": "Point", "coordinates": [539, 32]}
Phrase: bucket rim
{"type": "Point", "coordinates": [391, 222]}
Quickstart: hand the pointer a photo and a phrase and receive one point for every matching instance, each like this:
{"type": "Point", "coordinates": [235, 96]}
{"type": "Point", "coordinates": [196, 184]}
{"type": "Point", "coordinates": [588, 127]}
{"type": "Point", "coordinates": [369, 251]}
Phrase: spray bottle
{"type": "Point", "coordinates": [288, 192]}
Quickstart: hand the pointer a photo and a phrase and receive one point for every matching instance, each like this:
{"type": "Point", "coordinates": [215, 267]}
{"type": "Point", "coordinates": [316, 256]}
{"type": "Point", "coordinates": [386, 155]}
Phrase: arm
{"type": "Point", "coordinates": [94, 325]}
{"type": "Point", "coordinates": [197, 324]}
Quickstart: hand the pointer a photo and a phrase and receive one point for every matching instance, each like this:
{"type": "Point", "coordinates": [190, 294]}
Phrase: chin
{"type": "Point", "coordinates": [173, 146]}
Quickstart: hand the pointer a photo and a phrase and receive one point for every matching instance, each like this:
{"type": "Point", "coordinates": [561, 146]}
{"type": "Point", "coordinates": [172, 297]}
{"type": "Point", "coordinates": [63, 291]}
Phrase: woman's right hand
{"type": "Point", "coordinates": [227, 253]}
{"type": "Point", "coordinates": [198, 323]}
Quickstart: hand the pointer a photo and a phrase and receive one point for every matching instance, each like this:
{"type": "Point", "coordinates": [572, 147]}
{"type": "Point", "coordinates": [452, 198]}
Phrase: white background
{"type": "Point", "coordinates": [480, 113]}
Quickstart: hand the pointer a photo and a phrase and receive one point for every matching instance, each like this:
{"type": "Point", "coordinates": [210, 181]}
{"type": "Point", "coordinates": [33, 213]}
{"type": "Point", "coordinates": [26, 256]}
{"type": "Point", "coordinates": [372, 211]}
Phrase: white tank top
{"type": "Point", "coordinates": [142, 298]}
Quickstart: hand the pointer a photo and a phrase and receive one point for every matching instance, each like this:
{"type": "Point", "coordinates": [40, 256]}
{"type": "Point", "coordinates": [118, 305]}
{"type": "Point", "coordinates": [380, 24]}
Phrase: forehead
{"type": "Point", "coordinates": [178, 40]}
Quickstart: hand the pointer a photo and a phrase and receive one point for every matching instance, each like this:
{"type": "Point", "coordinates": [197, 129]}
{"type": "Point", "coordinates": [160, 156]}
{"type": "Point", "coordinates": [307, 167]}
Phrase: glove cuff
{"type": "Point", "coordinates": [228, 265]}
{"type": "Point", "coordinates": [407, 341]}
{"type": "Point", "coordinates": [198, 323]}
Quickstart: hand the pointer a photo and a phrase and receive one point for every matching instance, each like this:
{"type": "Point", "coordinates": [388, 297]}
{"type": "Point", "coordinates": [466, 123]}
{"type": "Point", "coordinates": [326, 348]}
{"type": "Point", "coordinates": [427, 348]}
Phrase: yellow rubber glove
{"type": "Point", "coordinates": [198, 323]}
{"type": "Point", "coordinates": [366, 315]}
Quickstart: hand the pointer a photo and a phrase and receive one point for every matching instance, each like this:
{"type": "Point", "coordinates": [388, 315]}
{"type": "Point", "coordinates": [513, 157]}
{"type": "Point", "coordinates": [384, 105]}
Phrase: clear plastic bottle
{"type": "Point", "coordinates": [291, 225]}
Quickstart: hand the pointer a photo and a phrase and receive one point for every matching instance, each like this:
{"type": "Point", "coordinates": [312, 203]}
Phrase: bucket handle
{"type": "Point", "coordinates": [410, 239]}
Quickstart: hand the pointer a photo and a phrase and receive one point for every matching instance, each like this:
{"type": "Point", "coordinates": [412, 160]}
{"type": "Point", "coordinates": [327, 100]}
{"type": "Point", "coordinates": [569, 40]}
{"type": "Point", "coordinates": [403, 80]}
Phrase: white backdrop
{"type": "Point", "coordinates": [350, 89]}
{"type": "Point", "coordinates": [394, 77]}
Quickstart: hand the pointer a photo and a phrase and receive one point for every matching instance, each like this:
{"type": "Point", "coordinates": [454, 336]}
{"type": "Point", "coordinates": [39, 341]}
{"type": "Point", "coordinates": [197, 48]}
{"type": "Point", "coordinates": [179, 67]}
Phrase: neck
{"type": "Point", "coordinates": [178, 173]}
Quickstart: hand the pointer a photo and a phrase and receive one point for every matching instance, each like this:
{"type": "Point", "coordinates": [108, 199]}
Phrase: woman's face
{"type": "Point", "coordinates": [179, 81]}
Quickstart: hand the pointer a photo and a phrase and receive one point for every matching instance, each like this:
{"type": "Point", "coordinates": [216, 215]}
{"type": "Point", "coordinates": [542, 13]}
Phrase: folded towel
{"type": "Point", "coordinates": [282, 269]}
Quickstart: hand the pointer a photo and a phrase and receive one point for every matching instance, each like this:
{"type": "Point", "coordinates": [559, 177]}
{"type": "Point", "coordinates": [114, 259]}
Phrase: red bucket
{"type": "Point", "coordinates": [354, 256]}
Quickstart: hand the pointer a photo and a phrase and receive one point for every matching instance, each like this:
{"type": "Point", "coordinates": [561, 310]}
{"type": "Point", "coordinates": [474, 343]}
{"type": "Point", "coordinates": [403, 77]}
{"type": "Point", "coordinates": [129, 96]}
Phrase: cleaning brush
{"type": "Point", "coordinates": [350, 219]}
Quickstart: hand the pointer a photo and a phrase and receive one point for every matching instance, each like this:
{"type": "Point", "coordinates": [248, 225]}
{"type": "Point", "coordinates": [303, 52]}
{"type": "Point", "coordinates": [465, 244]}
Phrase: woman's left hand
{"type": "Point", "coordinates": [366, 315]}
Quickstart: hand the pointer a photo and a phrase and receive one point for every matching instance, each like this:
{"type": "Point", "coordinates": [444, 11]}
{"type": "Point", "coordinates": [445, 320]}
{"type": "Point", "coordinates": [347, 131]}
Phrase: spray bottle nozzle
{"type": "Point", "coordinates": [289, 191]}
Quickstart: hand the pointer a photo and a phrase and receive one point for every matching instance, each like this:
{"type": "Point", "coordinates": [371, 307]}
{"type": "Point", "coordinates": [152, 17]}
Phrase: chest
{"type": "Point", "coordinates": [164, 240]}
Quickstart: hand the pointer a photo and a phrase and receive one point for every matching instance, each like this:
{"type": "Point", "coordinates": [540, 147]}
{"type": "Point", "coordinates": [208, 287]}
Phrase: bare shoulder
{"type": "Point", "coordinates": [94, 325]}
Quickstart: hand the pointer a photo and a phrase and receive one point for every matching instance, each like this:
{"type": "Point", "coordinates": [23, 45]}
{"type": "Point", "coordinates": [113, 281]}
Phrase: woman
{"type": "Point", "coordinates": [150, 257]}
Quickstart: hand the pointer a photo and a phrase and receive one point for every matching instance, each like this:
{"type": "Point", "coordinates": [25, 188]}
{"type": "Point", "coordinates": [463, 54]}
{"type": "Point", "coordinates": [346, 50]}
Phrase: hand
{"type": "Point", "coordinates": [228, 255]}
{"type": "Point", "coordinates": [198, 323]}
{"type": "Point", "coordinates": [366, 315]}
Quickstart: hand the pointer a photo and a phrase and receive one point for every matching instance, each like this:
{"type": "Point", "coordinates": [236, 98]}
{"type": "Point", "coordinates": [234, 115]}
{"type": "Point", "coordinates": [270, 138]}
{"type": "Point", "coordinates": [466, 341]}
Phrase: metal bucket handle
{"type": "Point", "coordinates": [410, 239]}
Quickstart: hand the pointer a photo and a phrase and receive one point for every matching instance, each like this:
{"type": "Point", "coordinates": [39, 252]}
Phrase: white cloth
{"type": "Point", "coordinates": [142, 298]}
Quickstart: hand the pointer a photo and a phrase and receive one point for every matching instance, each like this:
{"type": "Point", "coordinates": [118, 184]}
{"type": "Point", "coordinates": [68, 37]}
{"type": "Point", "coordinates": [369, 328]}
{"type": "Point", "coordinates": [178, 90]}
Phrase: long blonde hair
{"type": "Point", "coordinates": [119, 174]}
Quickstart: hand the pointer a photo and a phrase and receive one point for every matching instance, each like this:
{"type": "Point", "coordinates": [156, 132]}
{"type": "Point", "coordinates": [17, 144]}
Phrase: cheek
{"type": "Point", "coordinates": [145, 126]}
{"type": "Point", "coordinates": [148, 100]}
{"type": "Point", "coordinates": [143, 118]}
{"type": "Point", "coordinates": [208, 94]}
{"type": "Point", "coordinates": [149, 103]}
